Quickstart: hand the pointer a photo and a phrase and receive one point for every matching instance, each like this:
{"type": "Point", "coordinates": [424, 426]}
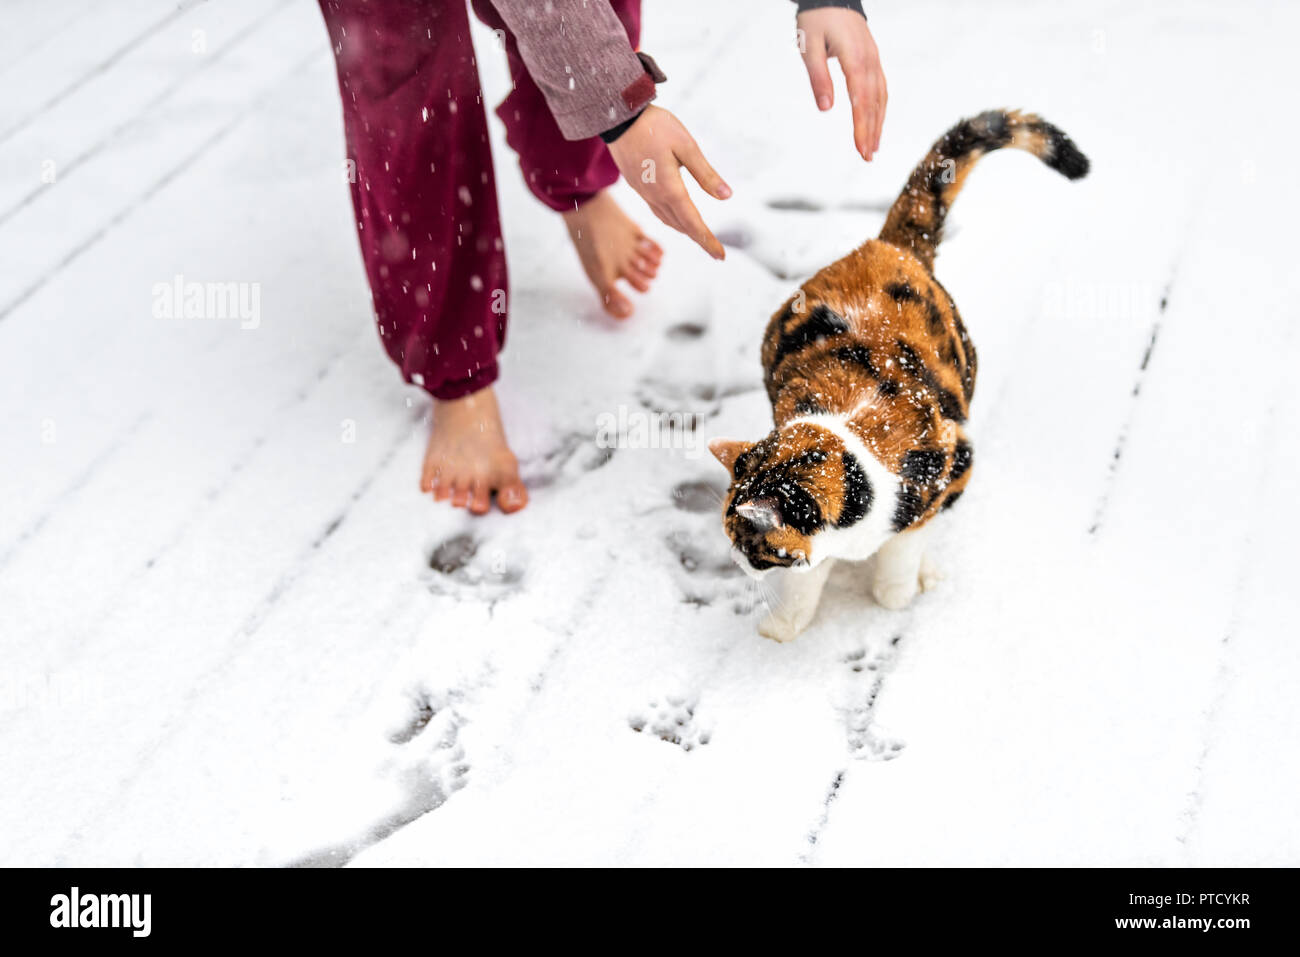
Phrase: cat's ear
{"type": "Point", "coordinates": [763, 513]}
{"type": "Point", "coordinates": [727, 451]}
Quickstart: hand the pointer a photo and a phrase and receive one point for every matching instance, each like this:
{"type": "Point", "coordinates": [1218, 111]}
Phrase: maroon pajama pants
{"type": "Point", "coordinates": [422, 182]}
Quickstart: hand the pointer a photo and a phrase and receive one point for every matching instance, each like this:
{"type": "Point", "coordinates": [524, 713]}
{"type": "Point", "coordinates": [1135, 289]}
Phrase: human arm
{"type": "Point", "coordinates": [837, 29]}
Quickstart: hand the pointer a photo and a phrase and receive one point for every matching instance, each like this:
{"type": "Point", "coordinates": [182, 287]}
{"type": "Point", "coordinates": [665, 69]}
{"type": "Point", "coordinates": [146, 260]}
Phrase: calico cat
{"type": "Point", "coordinates": [870, 373]}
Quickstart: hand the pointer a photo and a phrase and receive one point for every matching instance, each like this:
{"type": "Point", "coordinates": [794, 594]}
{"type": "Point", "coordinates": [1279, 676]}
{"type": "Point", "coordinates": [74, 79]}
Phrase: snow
{"type": "Point", "coordinates": [225, 640]}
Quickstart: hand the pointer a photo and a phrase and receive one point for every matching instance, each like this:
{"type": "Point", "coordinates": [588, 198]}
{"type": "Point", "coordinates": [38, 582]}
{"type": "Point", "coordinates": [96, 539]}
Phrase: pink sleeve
{"type": "Point", "coordinates": [578, 54]}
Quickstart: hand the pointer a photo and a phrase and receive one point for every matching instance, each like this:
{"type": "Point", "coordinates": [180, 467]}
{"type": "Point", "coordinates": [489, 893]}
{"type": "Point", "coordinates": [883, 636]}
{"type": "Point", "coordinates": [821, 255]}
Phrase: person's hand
{"type": "Point", "coordinates": [843, 34]}
{"type": "Point", "coordinates": [651, 154]}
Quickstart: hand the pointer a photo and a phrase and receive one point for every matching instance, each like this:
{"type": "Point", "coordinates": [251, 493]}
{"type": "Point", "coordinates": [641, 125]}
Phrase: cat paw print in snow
{"type": "Point", "coordinates": [866, 675]}
{"type": "Point", "coordinates": [674, 721]}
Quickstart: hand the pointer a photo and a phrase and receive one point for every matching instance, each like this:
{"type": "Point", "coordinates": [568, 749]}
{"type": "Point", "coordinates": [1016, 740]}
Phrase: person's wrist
{"type": "Point", "coordinates": [641, 92]}
{"type": "Point", "coordinates": [614, 132]}
{"type": "Point", "coordinates": [805, 5]}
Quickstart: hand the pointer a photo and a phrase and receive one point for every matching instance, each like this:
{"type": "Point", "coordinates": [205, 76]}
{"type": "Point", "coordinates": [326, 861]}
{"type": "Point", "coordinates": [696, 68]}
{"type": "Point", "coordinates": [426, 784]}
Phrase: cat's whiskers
{"type": "Point", "coordinates": [768, 597]}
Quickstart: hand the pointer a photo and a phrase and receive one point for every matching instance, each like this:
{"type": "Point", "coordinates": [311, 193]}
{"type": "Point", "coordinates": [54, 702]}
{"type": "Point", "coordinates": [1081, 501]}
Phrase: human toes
{"type": "Point", "coordinates": [437, 483]}
{"type": "Point", "coordinates": [512, 496]}
{"type": "Point", "coordinates": [640, 267]}
{"type": "Point", "coordinates": [637, 280]}
{"type": "Point", "coordinates": [460, 494]}
{"type": "Point", "coordinates": [649, 249]}
{"type": "Point", "coordinates": [480, 496]}
{"type": "Point", "coordinates": [616, 304]}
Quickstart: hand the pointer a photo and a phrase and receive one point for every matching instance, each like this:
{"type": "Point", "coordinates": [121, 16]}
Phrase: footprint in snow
{"type": "Point", "coordinates": [795, 204]}
{"type": "Point", "coordinates": [735, 237]}
{"type": "Point", "coordinates": [866, 675]}
{"type": "Point", "coordinates": [799, 204]}
{"type": "Point", "coordinates": [704, 570]}
{"type": "Point", "coordinates": [426, 762]}
{"type": "Point", "coordinates": [673, 721]}
{"type": "Point", "coordinates": [699, 496]}
{"type": "Point", "coordinates": [465, 567]}
{"type": "Point", "coordinates": [432, 725]}
{"type": "Point", "coordinates": [687, 330]}
{"type": "Point", "coordinates": [575, 454]}
{"type": "Point", "coordinates": [689, 379]}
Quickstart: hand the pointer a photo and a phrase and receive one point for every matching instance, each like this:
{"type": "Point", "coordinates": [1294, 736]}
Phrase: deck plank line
{"type": "Point", "coordinates": [72, 488]}
{"type": "Point", "coordinates": [210, 497]}
{"type": "Point", "coordinates": [262, 608]}
{"type": "Point", "coordinates": [1265, 512]}
{"type": "Point", "coordinates": [157, 186]}
{"type": "Point", "coordinates": [103, 66]}
{"type": "Point", "coordinates": [35, 45]}
{"type": "Point", "coordinates": [94, 150]}
{"type": "Point", "coordinates": [1144, 366]}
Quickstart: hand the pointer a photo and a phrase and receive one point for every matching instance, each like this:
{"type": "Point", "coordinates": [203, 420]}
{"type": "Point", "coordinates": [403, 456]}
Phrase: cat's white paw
{"type": "Point", "coordinates": [785, 627]}
{"type": "Point", "coordinates": [931, 574]}
{"type": "Point", "coordinates": [800, 592]}
{"type": "Point", "coordinates": [894, 594]}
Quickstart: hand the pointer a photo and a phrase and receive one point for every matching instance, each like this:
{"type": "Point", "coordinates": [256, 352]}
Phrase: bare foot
{"type": "Point", "coordinates": [612, 247]}
{"type": "Point", "coordinates": [468, 458]}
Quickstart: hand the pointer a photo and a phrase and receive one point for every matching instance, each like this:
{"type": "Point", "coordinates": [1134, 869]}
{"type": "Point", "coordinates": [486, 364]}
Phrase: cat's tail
{"type": "Point", "coordinates": [915, 221]}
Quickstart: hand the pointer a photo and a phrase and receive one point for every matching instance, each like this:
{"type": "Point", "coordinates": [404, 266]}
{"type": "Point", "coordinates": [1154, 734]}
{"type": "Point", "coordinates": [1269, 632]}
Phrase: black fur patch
{"type": "Point", "coordinates": [809, 407]}
{"type": "Point", "coordinates": [924, 466]}
{"type": "Point", "coordinates": [809, 458]}
{"type": "Point", "coordinates": [1067, 159]}
{"type": "Point", "coordinates": [858, 355]}
{"type": "Point", "coordinates": [961, 460]}
{"type": "Point", "coordinates": [902, 292]}
{"type": "Point", "coordinates": [987, 132]}
{"type": "Point", "coordinates": [857, 492]}
{"type": "Point", "coordinates": [991, 128]}
{"type": "Point", "coordinates": [931, 226]}
{"type": "Point", "coordinates": [798, 508]}
{"type": "Point", "coordinates": [889, 387]}
{"type": "Point", "coordinates": [910, 507]}
{"type": "Point", "coordinates": [934, 319]}
{"type": "Point", "coordinates": [968, 351]}
{"type": "Point", "coordinates": [950, 501]}
{"type": "Point", "coordinates": [940, 177]}
{"type": "Point", "coordinates": [910, 361]}
{"type": "Point", "coordinates": [822, 323]}
{"type": "Point", "coordinates": [745, 462]}
{"type": "Point", "coordinates": [1062, 155]}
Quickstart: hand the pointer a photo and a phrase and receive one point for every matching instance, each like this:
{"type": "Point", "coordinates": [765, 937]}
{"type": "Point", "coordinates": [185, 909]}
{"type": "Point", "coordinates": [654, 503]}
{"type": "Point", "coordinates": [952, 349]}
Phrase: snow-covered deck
{"type": "Point", "coordinates": [231, 631]}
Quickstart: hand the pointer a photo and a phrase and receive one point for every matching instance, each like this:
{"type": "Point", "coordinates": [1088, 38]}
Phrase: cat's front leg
{"type": "Point", "coordinates": [797, 596]}
{"type": "Point", "coordinates": [902, 569]}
